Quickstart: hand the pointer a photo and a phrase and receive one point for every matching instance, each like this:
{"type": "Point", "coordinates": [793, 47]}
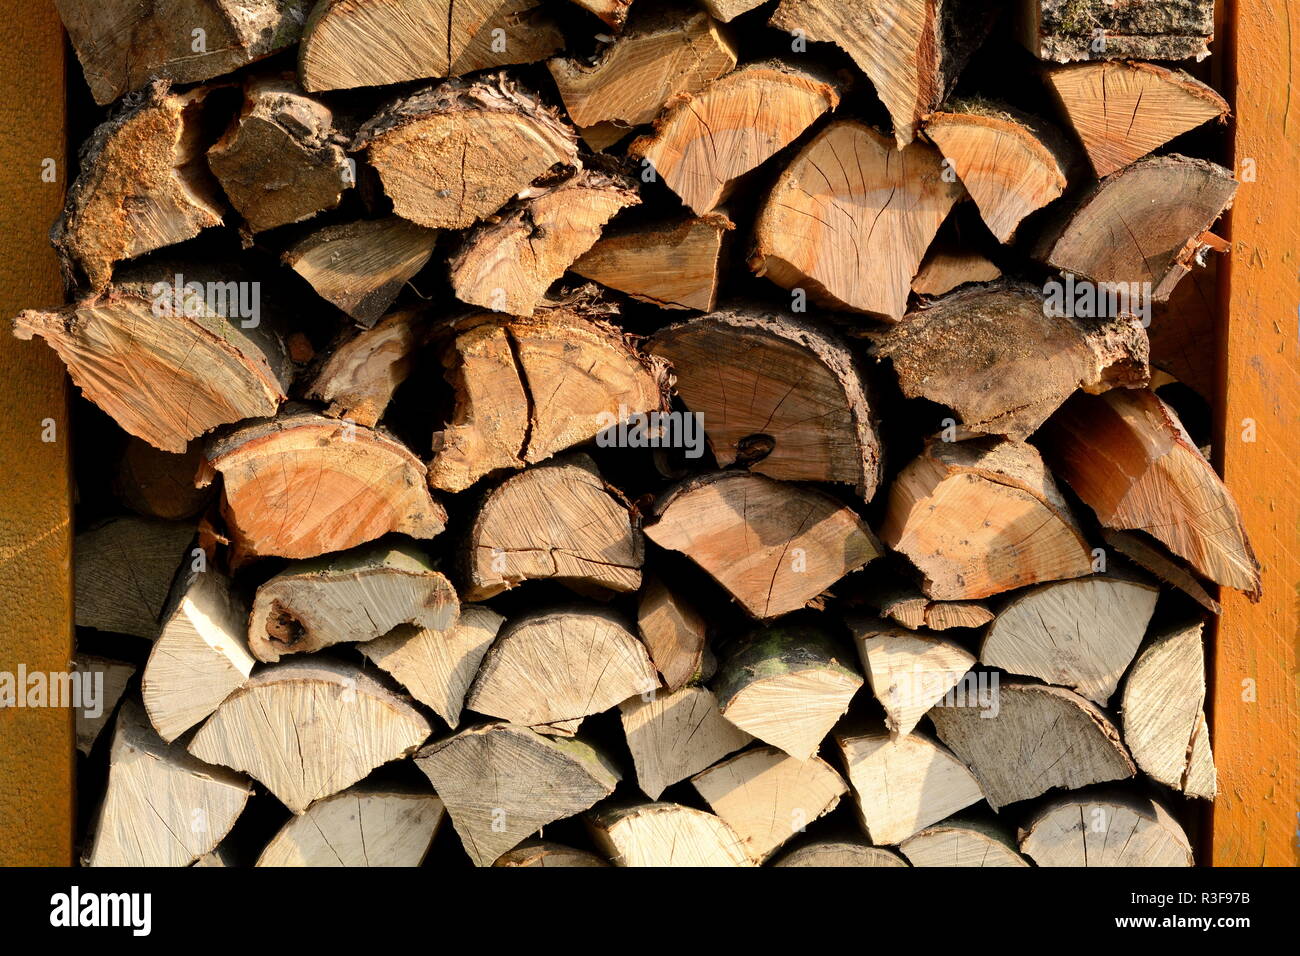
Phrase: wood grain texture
{"type": "Point", "coordinates": [36, 746]}
{"type": "Point", "coordinates": [1254, 820]}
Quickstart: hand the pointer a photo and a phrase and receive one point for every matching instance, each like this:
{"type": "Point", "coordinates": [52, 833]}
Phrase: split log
{"type": "Point", "coordinates": [545, 853]}
{"type": "Point", "coordinates": [902, 784]}
{"type": "Point", "coordinates": [278, 162]}
{"type": "Point", "coordinates": [947, 267]}
{"type": "Point", "coordinates": [1126, 454]}
{"type": "Point", "coordinates": [309, 728]}
{"type": "Point", "coordinates": [559, 666]}
{"type": "Point", "coordinates": [455, 153]}
{"type": "Point", "coordinates": [355, 596]}
{"type": "Point", "coordinates": [1122, 111]}
{"type": "Point", "coordinates": [1065, 30]}
{"type": "Point", "coordinates": [365, 366]}
{"type": "Point", "coordinates": [612, 13]}
{"type": "Point", "coordinates": [961, 843]}
{"type": "Point", "coordinates": [437, 667]}
{"type": "Point", "coordinates": [805, 416]}
{"type": "Point", "coordinates": [123, 44]}
{"type": "Point", "coordinates": [767, 797]}
{"type": "Point", "coordinates": [201, 655]}
{"type": "Point", "coordinates": [907, 606]}
{"type": "Point", "coordinates": [143, 185]}
{"type": "Point", "coordinates": [555, 521]}
{"type": "Point", "coordinates": [704, 142]}
{"type": "Point", "coordinates": [1164, 716]}
{"type": "Point", "coordinates": [840, 853]}
{"type": "Point", "coordinates": [362, 826]}
{"type": "Point", "coordinates": [351, 43]}
{"type": "Point", "coordinates": [167, 371]}
{"type": "Point", "coordinates": [1115, 830]}
{"type": "Point", "coordinates": [160, 484]}
{"type": "Point", "coordinates": [1150, 558]}
{"type": "Point", "coordinates": [1004, 359]}
{"type": "Point", "coordinates": [774, 546]}
{"type": "Point", "coordinates": [302, 485]}
{"type": "Point", "coordinates": [123, 571]}
{"type": "Point", "coordinates": [675, 634]}
{"type": "Point", "coordinates": [1034, 738]}
{"type": "Point", "coordinates": [1010, 163]}
{"type": "Point", "coordinates": [670, 52]}
{"type": "Point", "coordinates": [981, 517]}
{"type": "Point", "coordinates": [852, 234]}
{"type": "Point", "coordinates": [507, 264]}
{"type": "Point", "coordinates": [674, 265]}
{"type": "Point", "coordinates": [1181, 326]}
{"type": "Point", "coordinates": [1144, 225]}
{"type": "Point", "coordinates": [728, 10]}
{"type": "Point", "coordinates": [787, 685]}
{"type": "Point", "coordinates": [909, 673]}
{"type": "Point", "coordinates": [503, 783]}
{"type": "Point", "coordinates": [162, 807]}
{"type": "Point", "coordinates": [110, 678]}
{"type": "Point", "coordinates": [527, 388]}
{"type": "Point", "coordinates": [1081, 634]}
{"type": "Point", "coordinates": [665, 834]}
{"type": "Point", "coordinates": [362, 266]}
{"type": "Point", "coordinates": [674, 735]}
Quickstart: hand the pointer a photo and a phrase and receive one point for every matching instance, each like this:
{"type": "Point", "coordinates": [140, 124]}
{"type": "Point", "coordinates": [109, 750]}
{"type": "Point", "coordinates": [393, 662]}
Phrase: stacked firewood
{"type": "Point", "coordinates": [645, 433]}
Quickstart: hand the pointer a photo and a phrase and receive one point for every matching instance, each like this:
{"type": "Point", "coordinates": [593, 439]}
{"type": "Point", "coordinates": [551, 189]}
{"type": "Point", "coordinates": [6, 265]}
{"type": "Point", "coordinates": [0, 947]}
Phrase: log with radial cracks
{"type": "Point", "coordinates": [703, 142]}
{"type": "Point", "coordinates": [774, 546]}
{"type": "Point", "coordinates": [840, 853]}
{"type": "Point", "coordinates": [981, 517]}
{"type": "Point", "coordinates": [665, 834]}
{"type": "Point", "coordinates": [507, 264]}
{"type": "Point", "coordinates": [437, 666]}
{"type": "Point", "coordinates": [1111, 829]}
{"type": "Point", "coordinates": [351, 43]}
{"type": "Point", "coordinates": [558, 520]}
{"type": "Point", "coordinates": [110, 678]}
{"type": "Point", "coordinates": [676, 635]}
{"type": "Point", "coordinates": [302, 485]}
{"type": "Point", "coordinates": [165, 374]}
{"type": "Point", "coordinates": [787, 685]}
{"type": "Point", "coordinates": [767, 797]}
{"type": "Point", "coordinates": [123, 570]}
{"type": "Point", "coordinates": [1065, 30]}
{"type": "Point", "coordinates": [850, 219]}
{"type": "Point", "coordinates": [909, 673]}
{"type": "Point", "coordinates": [201, 655]}
{"type": "Point", "coordinates": [1033, 739]}
{"type": "Point", "coordinates": [365, 366]}
{"type": "Point", "coordinates": [355, 596]}
{"type": "Point", "coordinates": [1080, 634]}
{"type": "Point", "coordinates": [163, 807]}
{"type": "Point", "coordinates": [365, 825]}
{"type": "Point", "coordinates": [672, 735]}
{"type": "Point", "coordinates": [454, 153]}
{"type": "Point", "coordinates": [1127, 455]}
{"type": "Point", "coordinates": [557, 667]}
{"type": "Point", "coordinates": [503, 783]}
{"type": "Point", "coordinates": [309, 728]}
{"type": "Point", "coordinates": [962, 843]}
{"type": "Point", "coordinates": [545, 853]}
{"type": "Point", "coordinates": [1004, 359]}
{"type": "Point", "coordinates": [1143, 225]}
{"type": "Point", "coordinates": [1164, 716]}
{"type": "Point", "coordinates": [781, 392]}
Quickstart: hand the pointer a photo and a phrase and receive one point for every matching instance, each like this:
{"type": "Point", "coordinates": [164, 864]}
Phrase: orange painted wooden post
{"type": "Point", "coordinates": [36, 746]}
{"type": "Point", "coordinates": [1256, 713]}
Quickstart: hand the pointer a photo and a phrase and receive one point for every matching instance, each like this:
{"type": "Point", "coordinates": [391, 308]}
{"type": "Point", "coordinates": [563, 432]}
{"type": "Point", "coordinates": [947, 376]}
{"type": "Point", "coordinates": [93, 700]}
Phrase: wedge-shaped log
{"type": "Point", "coordinates": [948, 266]}
{"type": "Point", "coordinates": [1065, 30]}
{"type": "Point", "coordinates": [558, 666]}
{"type": "Point", "coordinates": [852, 233]}
{"type": "Point", "coordinates": [767, 797]}
{"type": "Point", "coordinates": [961, 843]}
{"type": "Point", "coordinates": [1081, 634]}
{"type": "Point", "coordinates": [1116, 829]}
{"type": "Point", "coordinates": [909, 673]}
{"type": "Point", "coordinates": [545, 853]}
{"type": "Point", "coordinates": [1127, 455]}
{"type": "Point", "coordinates": [1142, 551]}
{"type": "Point", "coordinates": [704, 142]}
{"type": "Point", "coordinates": [839, 853]}
{"type": "Point", "coordinates": [805, 416]}
{"type": "Point", "coordinates": [728, 10]}
{"type": "Point", "coordinates": [903, 784]}
{"type": "Point", "coordinates": [503, 783]}
{"type": "Point", "coordinates": [787, 685]}
{"type": "Point", "coordinates": [665, 834]}
{"type": "Point", "coordinates": [675, 634]}
{"type": "Point", "coordinates": [673, 735]}
{"type": "Point", "coordinates": [309, 728]}
{"type": "Point", "coordinates": [365, 825]}
{"type": "Point", "coordinates": [907, 606]}
{"type": "Point", "coordinates": [773, 546]}
{"type": "Point", "coordinates": [112, 677]}
{"type": "Point", "coordinates": [1035, 739]}
{"type": "Point", "coordinates": [365, 366]}
{"type": "Point", "coordinates": [106, 599]}
{"type": "Point", "coordinates": [355, 596]}
{"type": "Point", "coordinates": [1164, 716]}
{"type": "Point", "coordinates": [981, 517]}
{"type": "Point", "coordinates": [163, 807]}
{"type": "Point", "coordinates": [302, 485]}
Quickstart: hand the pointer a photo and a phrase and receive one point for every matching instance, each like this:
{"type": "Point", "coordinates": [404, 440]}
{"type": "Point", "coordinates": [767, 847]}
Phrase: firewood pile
{"type": "Point", "coordinates": [549, 433]}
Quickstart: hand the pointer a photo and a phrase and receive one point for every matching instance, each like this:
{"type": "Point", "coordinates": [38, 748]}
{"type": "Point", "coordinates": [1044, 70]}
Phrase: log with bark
{"type": "Point", "coordinates": [365, 366]}
{"type": "Point", "coordinates": [665, 834]}
{"type": "Point", "coordinates": [840, 853]}
{"type": "Point", "coordinates": [1065, 30]}
{"type": "Point", "coordinates": [677, 734]}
